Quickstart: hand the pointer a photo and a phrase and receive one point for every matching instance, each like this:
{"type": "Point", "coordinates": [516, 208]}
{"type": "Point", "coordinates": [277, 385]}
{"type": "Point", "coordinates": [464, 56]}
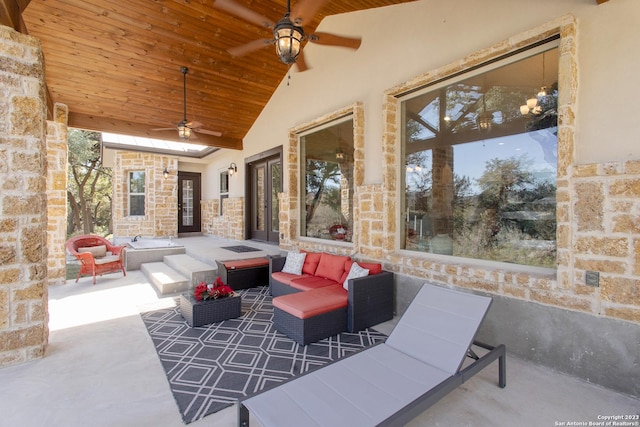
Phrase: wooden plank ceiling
{"type": "Point", "coordinates": [116, 63]}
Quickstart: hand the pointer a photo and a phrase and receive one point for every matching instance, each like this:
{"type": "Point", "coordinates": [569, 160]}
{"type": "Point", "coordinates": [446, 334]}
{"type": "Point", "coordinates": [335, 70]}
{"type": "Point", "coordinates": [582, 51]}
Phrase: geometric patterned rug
{"type": "Point", "coordinates": [211, 367]}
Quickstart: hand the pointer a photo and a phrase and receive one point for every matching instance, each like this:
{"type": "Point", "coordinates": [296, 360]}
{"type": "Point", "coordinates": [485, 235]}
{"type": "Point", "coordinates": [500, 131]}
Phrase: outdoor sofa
{"type": "Point", "coordinates": [391, 383]}
{"type": "Point", "coordinates": [322, 301]}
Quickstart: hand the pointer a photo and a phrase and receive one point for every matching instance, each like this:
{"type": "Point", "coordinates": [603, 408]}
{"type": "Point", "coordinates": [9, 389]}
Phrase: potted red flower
{"type": "Point", "coordinates": [210, 303]}
{"type": "Point", "coordinates": [216, 290]}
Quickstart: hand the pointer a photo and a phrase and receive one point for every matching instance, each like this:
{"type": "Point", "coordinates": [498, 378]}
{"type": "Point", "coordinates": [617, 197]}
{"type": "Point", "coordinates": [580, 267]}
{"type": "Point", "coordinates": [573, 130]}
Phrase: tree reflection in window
{"type": "Point", "coordinates": [327, 161]}
{"type": "Point", "coordinates": [480, 162]}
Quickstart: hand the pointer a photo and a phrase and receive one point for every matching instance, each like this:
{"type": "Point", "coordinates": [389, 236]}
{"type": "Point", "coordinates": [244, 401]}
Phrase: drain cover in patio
{"type": "Point", "coordinates": [240, 249]}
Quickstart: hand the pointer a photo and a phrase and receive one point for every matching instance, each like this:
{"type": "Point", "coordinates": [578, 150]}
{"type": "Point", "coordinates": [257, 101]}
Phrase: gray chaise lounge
{"type": "Point", "coordinates": [391, 383]}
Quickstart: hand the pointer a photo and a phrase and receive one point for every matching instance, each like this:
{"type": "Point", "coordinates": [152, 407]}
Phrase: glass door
{"type": "Point", "coordinates": [264, 210]}
{"type": "Point", "coordinates": [188, 202]}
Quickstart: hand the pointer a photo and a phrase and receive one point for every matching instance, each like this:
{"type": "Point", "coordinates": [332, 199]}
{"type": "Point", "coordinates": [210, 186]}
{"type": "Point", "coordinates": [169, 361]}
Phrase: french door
{"type": "Point", "coordinates": [263, 212]}
{"type": "Point", "coordinates": [188, 202]}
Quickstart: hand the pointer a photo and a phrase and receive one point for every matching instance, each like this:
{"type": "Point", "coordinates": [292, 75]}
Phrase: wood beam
{"type": "Point", "coordinates": [11, 14]}
{"type": "Point", "coordinates": [104, 124]}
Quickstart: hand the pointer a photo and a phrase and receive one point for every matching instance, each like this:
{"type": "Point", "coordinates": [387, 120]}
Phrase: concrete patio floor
{"type": "Point", "coordinates": [101, 369]}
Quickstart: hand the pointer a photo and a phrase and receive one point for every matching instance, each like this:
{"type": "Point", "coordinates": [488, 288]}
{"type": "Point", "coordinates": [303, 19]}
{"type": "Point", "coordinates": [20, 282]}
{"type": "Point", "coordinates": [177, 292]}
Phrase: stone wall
{"type": "Point", "coordinates": [23, 201]}
{"type": "Point", "coordinates": [605, 199]}
{"type": "Point", "coordinates": [229, 225]}
{"type": "Point", "coordinates": [57, 165]}
{"type": "Point", "coordinates": [161, 195]}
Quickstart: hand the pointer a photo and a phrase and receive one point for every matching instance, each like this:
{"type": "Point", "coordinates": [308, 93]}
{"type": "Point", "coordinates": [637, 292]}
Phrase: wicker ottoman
{"type": "Point", "coordinates": [199, 313]}
{"type": "Point", "coordinates": [310, 316]}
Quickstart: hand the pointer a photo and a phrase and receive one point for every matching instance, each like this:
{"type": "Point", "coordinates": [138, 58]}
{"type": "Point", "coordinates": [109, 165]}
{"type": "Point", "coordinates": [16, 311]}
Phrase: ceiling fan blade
{"type": "Point", "coordinates": [208, 132]}
{"type": "Point", "coordinates": [164, 129]}
{"type": "Point", "coordinates": [328, 39]}
{"type": "Point", "coordinates": [249, 47]}
{"type": "Point", "coordinates": [194, 124]}
{"type": "Point", "coordinates": [301, 63]}
{"type": "Point", "coordinates": [243, 12]}
{"type": "Point", "coordinates": [305, 10]}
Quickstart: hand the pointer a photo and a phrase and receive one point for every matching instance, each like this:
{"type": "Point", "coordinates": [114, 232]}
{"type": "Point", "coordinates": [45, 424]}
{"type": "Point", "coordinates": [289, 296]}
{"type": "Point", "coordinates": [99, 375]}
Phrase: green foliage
{"type": "Point", "coordinates": [88, 185]}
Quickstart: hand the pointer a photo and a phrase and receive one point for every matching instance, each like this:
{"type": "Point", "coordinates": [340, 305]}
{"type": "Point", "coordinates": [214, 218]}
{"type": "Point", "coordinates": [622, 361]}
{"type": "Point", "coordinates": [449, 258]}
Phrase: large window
{"type": "Point", "coordinates": [480, 161]}
{"type": "Point", "coordinates": [326, 155]}
{"type": "Point", "coordinates": [136, 193]}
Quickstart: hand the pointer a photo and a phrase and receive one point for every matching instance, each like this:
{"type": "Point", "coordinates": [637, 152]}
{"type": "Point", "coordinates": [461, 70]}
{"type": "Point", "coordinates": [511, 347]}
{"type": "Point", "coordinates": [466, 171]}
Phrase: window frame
{"type": "Point", "coordinates": [348, 116]}
{"type": "Point", "coordinates": [137, 194]}
{"type": "Point", "coordinates": [531, 50]}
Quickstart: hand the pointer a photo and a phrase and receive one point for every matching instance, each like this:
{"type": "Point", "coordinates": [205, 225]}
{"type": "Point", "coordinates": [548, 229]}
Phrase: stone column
{"type": "Point", "coordinates": [23, 203]}
{"type": "Point", "coordinates": [57, 165]}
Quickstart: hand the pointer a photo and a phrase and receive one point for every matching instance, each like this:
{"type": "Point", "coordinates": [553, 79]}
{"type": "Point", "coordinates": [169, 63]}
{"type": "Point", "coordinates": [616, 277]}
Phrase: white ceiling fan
{"type": "Point", "coordinates": [185, 127]}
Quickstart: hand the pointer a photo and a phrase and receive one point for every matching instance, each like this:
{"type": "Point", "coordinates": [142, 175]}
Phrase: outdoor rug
{"type": "Point", "coordinates": [240, 249]}
{"type": "Point", "coordinates": [211, 367]}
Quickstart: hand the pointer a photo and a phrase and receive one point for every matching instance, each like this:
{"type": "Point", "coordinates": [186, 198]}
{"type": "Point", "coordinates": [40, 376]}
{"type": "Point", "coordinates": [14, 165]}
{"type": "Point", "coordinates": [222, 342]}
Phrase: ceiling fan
{"type": "Point", "coordinates": [184, 128]}
{"type": "Point", "coordinates": [288, 32]}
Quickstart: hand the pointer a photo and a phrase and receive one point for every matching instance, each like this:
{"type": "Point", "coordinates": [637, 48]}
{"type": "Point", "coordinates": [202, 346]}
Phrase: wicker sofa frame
{"type": "Point", "coordinates": [95, 266]}
{"type": "Point", "coordinates": [370, 298]}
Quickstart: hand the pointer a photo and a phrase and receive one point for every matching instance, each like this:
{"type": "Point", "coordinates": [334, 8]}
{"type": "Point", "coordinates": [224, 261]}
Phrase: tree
{"type": "Point", "coordinates": [318, 174]}
{"type": "Point", "coordinates": [88, 185]}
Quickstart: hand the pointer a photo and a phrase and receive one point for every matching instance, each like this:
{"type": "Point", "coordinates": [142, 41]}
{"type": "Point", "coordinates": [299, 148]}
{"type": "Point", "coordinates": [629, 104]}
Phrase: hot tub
{"type": "Point", "coordinates": [150, 250]}
{"type": "Point", "coordinates": [153, 244]}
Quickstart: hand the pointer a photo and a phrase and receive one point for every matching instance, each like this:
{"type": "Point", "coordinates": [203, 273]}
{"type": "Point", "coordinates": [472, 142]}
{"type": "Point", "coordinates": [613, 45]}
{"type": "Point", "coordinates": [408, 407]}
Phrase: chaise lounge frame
{"type": "Point", "coordinates": [287, 405]}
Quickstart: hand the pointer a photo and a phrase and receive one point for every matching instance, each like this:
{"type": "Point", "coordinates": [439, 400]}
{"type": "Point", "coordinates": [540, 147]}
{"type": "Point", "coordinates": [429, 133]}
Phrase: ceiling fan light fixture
{"type": "Point", "coordinates": [184, 131]}
{"type": "Point", "coordinates": [288, 38]}
{"type": "Point", "coordinates": [485, 122]}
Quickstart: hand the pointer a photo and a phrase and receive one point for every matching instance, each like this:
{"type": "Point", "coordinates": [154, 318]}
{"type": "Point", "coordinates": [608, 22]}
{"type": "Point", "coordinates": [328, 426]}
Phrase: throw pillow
{"type": "Point", "coordinates": [294, 263]}
{"type": "Point", "coordinates": [96, 251]}
{"type": "Point", "coordinates": [356, 271]}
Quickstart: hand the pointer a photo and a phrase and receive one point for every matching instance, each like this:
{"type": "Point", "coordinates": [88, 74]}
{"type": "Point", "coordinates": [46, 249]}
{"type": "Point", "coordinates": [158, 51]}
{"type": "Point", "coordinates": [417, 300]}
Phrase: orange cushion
{"type": "Point", "coordinates": [311, 262]}
{"type": "Point", "coordinates": [331, 266]}
{"type": "Point", "coordinates": [311, 282]}
{"type": "Point", "coordinates": [245, 263]}
{"type": "Point", "coordinates": [308, 304]}
{"type": "Point", "coordinates": [286, 278]}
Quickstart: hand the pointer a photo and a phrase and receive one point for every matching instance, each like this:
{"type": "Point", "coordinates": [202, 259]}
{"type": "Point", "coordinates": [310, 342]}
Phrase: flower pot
{"type": "Point", "coordinates": [198, 313]}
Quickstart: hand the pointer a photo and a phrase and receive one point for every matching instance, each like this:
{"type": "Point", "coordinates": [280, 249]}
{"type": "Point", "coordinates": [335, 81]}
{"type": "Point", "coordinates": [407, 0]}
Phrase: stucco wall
{"type": "Point", "coordinates": [403, 41]}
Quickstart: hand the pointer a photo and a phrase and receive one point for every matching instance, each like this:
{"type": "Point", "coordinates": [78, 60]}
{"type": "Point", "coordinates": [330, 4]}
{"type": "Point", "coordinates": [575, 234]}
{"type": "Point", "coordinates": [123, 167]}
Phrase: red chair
{"type": "Point", "coordinates": [97, 255]}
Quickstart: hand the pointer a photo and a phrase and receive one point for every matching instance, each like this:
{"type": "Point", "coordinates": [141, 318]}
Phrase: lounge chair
{"type": "Point", "coordinates": [391, 383]}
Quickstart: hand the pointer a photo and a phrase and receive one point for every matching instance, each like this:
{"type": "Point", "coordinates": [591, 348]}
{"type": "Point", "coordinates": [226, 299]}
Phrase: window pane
{"type": "Point", "coordinates": [275, 189]}
{"type": "Point", "coordinates": [480, 159]}
{"type": "Point", "coordinates": [260, 199]}
{"type": "Point", "coordinates": [136, 182]}
{"type": "Point", "coordinates": [187, 202]}
{"type": "Point", "coordinates": [137, 205]}
{"type": "Point", "coordinates": [224, 182]}
{"type": "Point", "coordinates": [328, 182]}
